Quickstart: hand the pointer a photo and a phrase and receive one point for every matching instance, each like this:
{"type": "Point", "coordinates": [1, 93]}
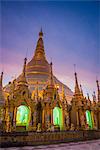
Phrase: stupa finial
{"type": "Point", "coordinates": [1, 78]}
{"type": "Point", "coordinates": [98, 90]}
{"type": "Point", "coordinates": [22, 78]}
{"type": "Point", "coordinates": [88, 96]}
{"type": "Point", "coordinates": [94, 96]}
{"type": "Point", "coordinates": [24, 67]}
{"type": "Point", "coordinates": [81, 90]}
{"type": "Point", "coordinates": [77, 90]}
{"type": "Point", "coordinates": [51, 75]}
{"type": "Point", "coordinates": [39, 51]}
{"type": "Point", "coordinates": [41, 33]}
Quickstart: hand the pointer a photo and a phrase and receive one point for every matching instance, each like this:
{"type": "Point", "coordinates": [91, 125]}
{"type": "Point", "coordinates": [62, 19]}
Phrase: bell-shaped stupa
{"type": "Point", "coordinates": [38, 70]}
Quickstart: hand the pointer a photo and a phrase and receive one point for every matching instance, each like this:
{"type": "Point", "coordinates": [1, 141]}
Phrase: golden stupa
{"type": "Point", "coordinates": [38, 70]}
{"type": "Point", "coordinates": [38, 73]}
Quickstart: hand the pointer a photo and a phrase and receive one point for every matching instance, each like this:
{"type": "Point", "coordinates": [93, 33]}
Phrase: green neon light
{"type": "Point", "coordinates": [89, 119]}
{"type": "Point", "coordinates": [22, 115]}
{"type": "Point", "coordinates": [57, 116]}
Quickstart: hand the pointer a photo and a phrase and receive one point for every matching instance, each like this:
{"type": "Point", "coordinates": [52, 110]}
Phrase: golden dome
{"type": "Point", "coordinates": [38, 69]}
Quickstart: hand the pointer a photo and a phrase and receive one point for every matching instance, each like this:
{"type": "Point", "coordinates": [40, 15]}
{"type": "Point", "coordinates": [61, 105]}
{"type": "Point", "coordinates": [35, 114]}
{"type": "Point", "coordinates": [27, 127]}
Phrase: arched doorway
{"type": "Point", "coordinates": [23, 116]}
{"type": "Point", "coordinates": [57, 117]}
{"type": "Point", "coordinates": [89, 119]}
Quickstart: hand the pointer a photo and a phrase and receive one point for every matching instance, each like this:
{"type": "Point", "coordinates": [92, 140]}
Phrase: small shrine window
{"type": "Point", "coordinates": [89, 119]}
{"type": "Point", "coordinates": [57, 116]}
{"type": "Point", "coordinates": [22, 117]}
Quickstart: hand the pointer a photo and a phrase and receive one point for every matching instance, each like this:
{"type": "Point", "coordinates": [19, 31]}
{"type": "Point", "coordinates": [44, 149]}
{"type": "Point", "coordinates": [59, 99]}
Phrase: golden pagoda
{"type": "Point", "coordinates": [38, 70]}
{"type": "Point", "coordinates": [38, 101]}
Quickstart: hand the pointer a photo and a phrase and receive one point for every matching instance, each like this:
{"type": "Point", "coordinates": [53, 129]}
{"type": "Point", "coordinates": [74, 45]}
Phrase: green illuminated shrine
{"type": "Point", "coordinates": [22, 118]}
{"type": "Point", "coordinates": [57, 116]}
{"type": "Point", "coordinates": [89, 119]}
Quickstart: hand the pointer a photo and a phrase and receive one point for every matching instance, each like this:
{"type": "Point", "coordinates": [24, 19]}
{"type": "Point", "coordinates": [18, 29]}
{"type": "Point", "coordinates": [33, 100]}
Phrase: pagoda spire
{"type": "Point", "coordinates": [1, 78]}
{"type": "Point", "coordinates": [88, 99]}
{"type": "Point", "coordinates": [39, 51]}
{"type": "Point", "coordinates": [51, 75]}
{"type": "Point", "coordinates": [1, 90]}
{"type": "Point", "coordinates": [77, 90]}
{"type": "Point", "coordinates": [22, 78]}
{"type": "Point", "coordinates": [41, 33]}
{"type": "Point", "coordinates": [24, 66]}
{"type": "Point", "coordinates": [98, 88]}
{"type": "Point", "coordinates": [94, 97]}
{"type": "Point", "coordinates": [81, 90]}
{"type": "Point", "coordinates": [88, 96]}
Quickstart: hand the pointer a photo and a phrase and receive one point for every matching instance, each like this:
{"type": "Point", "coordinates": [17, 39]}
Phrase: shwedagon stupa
{"type": "Point", "coordinates": [38, 72]}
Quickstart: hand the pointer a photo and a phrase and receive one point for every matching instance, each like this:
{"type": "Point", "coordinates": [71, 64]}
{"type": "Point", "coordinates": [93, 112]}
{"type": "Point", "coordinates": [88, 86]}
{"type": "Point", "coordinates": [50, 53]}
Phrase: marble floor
{"type": "Point", "coordinates": [87, 145]}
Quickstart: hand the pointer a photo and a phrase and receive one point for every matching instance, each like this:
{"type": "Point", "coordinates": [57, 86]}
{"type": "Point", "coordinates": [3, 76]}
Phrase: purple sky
{"type": "Point", "coordinates": [71, 36]}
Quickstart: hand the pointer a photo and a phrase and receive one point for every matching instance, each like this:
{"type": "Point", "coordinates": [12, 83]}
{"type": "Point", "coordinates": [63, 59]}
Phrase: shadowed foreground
{"type": "Point", "coordinates": [86, 145]}
{"type": "Point", "coordinates": [18, 139]}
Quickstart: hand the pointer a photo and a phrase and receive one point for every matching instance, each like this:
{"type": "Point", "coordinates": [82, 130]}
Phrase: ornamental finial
{"type": "Point", "coordinates": [1, 78]}
{"type": "Point", "coordinates": [41, 33]}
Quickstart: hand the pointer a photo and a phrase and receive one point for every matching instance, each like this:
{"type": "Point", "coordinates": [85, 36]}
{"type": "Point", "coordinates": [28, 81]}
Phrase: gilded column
{"type": "Point", "coordinates": [15, 114]}
{"type": "Point", "coordinates": [77, 116]}
{"type": "Point", "coordinates": [35, 119]}
{"type": "Point", "coordinates": [51, 116]}
{"type": "Point", "coordinates": [43, 115]}
{"type": "Point", "coordinates": [63, 118]}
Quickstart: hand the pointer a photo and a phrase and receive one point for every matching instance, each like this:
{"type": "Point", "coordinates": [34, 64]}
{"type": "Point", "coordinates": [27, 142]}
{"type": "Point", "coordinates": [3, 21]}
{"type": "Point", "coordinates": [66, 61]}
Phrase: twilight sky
{"type": "Point", "coordinates": [71, 36]}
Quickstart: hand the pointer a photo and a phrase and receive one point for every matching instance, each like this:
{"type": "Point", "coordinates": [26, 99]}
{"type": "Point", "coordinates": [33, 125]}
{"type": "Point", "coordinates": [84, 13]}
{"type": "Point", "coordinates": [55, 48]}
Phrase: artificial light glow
{"type": "Point", "coordinates": [57, 86]}
{"type": "Point", "coordinates": [57, 116]}
{"type": "Point", "coordinates": [22, 115]}
{"type": "Point", "coordinates": [89, 119]}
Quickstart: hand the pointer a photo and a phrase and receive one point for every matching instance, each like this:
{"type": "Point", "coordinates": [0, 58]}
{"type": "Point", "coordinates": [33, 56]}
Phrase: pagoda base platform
{"type": "Point", "coordinates": [17, 139]}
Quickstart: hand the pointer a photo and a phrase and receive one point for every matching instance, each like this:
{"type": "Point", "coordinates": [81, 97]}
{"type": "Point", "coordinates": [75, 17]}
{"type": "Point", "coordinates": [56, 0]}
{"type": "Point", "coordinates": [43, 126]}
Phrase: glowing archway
{"type": "Point", "coordinates": [23, 116]}
{"type": "Point", "coordinates": [89, 119]}
{"type": "Point", "coordinates": [57, 116]}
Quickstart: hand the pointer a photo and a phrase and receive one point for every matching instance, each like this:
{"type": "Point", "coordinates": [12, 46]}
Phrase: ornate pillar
{"type": "Point", "coordinates": [82, 119]}
{"type": "Point", "coordinates": [31, 119]}
{"type": "Point", "coordinates": [99, 118]}
{"type": "Point", "coordinates": [63, 119]}
{"type": "Point", "coordinates": [95, 118]}
{"type": "Point", "coordinates": [77, 117]}
{"type": "Point", "coordinates": [92, 117]}
{"type": "Point", "coordinates": [43, 116]}
{"type": "Point", "coordinates": [14, 119]}
{"type": "Point", "coordinates": [34, 118]}
{"type": "Point", "coordinates": [51, 115]}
